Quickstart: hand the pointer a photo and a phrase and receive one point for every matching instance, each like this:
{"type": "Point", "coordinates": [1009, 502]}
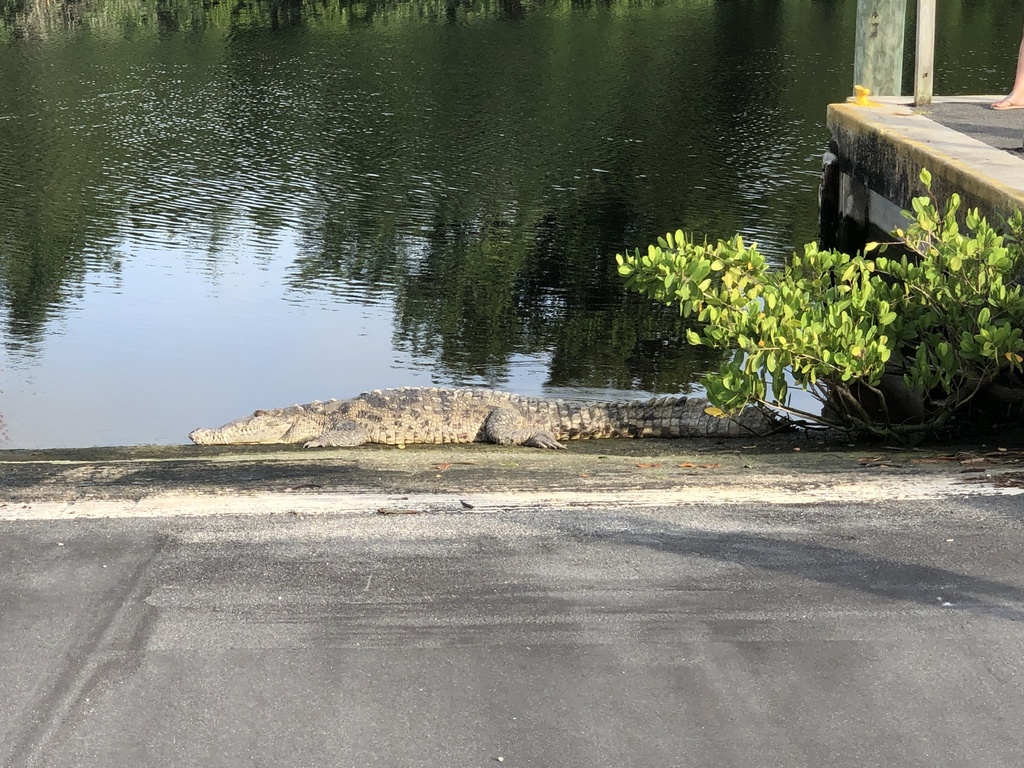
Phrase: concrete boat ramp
{"type": "Point", "coordinates": [622, 603]}
{"type": "Point", "coordinates": [173, 480]}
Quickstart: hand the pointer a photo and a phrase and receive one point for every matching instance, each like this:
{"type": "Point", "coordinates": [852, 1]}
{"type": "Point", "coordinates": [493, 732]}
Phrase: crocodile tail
{"type": "Point", "coordinates": [669, 417]}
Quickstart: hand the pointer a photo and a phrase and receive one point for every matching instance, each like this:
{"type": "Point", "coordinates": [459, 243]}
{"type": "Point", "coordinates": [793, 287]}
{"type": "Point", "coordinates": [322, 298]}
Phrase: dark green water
{"type": "Point", "coordinates": [210, 208]}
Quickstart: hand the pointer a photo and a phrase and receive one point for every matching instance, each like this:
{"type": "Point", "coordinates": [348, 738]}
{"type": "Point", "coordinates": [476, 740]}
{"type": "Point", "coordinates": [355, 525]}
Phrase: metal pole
{"type": "Point", "coordinates": [924, 59]}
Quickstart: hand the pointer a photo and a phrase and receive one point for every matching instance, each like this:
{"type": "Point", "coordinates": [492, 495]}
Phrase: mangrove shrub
{"type": "Point", "coordinates": [894, 341]}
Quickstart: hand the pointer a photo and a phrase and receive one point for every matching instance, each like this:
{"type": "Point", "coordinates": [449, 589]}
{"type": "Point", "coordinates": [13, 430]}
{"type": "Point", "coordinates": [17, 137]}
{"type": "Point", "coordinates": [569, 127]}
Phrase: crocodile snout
{"type": "Point", "coordinates": [202, 436]}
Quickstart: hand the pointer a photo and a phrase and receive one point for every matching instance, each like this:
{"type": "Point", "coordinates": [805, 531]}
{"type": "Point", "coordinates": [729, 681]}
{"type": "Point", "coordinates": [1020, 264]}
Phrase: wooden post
{"type": "Point", "coordinates": [924, 58]}
{"type": "Point", "coordinates": [878, 56]}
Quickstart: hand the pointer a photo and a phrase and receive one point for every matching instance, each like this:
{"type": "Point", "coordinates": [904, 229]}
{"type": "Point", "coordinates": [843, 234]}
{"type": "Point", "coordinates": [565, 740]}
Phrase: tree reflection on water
{"type": "Point", "coordinates": [472, 166]}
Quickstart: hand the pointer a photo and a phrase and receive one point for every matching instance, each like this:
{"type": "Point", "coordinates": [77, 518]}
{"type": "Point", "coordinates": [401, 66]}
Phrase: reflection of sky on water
{"type": "Point", "coordinates": [198, 336]}
{"type": "Point", "coordinates": [189, 337]}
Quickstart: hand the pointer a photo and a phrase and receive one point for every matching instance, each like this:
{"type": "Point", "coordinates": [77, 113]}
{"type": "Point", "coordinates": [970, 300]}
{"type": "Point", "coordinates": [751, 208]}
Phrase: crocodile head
{"type": "Point", "coordinates": [296, 424]}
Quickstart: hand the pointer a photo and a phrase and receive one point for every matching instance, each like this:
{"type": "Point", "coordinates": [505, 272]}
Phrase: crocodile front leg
{"type": "Point", "coordinates": [348, 434]}
{"type": "Point", "coordinates": [506, 426]}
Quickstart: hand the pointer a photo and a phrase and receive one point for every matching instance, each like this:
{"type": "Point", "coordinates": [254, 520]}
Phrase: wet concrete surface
{"type": "Point", "coordinates": [641, 604]}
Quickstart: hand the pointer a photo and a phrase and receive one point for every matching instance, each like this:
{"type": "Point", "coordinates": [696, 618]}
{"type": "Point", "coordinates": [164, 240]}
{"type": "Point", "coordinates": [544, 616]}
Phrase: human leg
{"type": "Point", "coordinates": [1015, 99]}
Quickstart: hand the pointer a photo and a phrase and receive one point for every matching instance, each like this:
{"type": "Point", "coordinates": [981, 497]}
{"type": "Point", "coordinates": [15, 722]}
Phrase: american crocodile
{"type": "Point", "coordinates": [433, 415]}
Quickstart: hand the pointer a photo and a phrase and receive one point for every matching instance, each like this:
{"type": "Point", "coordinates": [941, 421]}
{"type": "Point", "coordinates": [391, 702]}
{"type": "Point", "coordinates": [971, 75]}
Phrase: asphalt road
{"type": "Point", "coordinates": [876, 632]}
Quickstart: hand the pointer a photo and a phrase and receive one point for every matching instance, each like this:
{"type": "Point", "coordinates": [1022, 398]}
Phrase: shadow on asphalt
{"type": "Point", "coordinates": [882, 577]}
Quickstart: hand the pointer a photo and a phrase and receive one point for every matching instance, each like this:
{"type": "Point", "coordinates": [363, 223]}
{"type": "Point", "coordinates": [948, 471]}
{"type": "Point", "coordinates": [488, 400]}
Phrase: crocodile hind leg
{"type": "Point", "coordinates": [506, 426]}
{"type": "Point", "coordinates": [348, 434]}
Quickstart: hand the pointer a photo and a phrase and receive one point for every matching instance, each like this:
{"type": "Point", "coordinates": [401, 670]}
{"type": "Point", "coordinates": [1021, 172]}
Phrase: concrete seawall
{"type": "Point", "coordinates": [877, 152]}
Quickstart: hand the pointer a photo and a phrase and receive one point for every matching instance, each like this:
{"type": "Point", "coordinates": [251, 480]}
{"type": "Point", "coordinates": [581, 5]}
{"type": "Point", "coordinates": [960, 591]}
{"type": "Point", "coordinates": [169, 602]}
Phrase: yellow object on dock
{"type": "Point", "coordinates": [860, 96]}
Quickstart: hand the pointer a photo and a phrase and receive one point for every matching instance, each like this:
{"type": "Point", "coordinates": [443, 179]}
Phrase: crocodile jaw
{"type": "Point", "coordinates": [280, 425]}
